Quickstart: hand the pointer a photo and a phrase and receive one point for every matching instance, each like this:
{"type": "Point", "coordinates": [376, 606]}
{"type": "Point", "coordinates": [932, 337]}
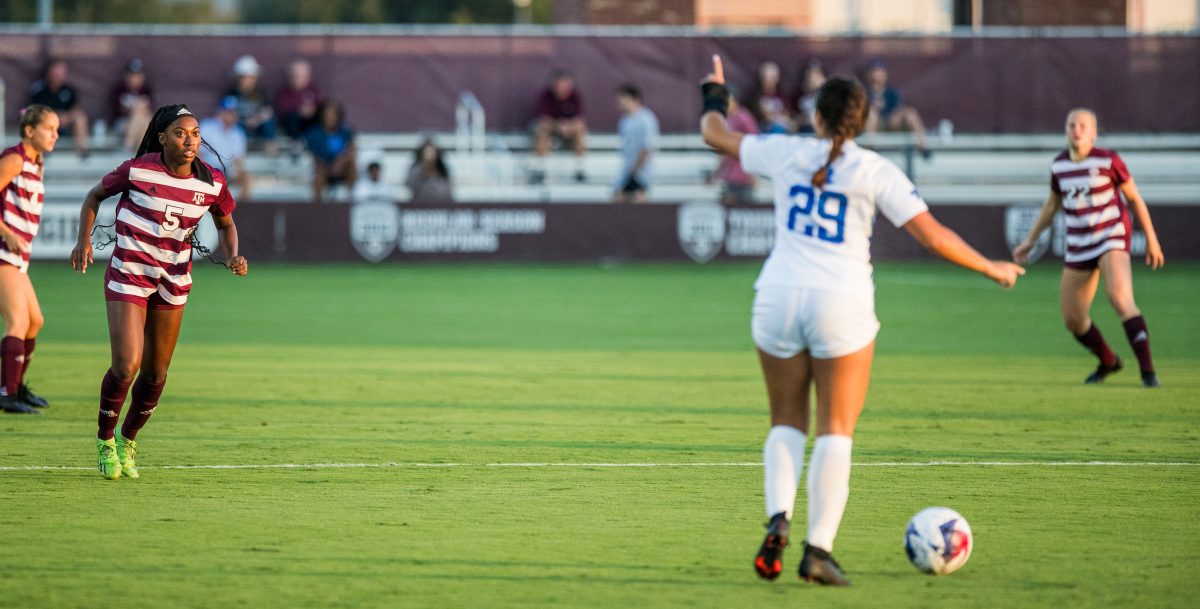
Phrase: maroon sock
{"type": "Point", "coordinates": [30, 345]}
{"type": "Point", "coordinates": [141, 406]}
{"type": "Point", "coordinates": [1094, 341]}
{"type": "Point", "coordinates": [1139, 339]}
{"type": "Point", "coordinates": [112, 397]}
{"type": "Point", "coordinates": [12, 358]}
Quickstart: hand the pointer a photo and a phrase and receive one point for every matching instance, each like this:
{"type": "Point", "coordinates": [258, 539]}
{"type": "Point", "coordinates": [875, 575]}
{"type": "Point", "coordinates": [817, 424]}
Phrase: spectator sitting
{"type": "Point", "coordinates": [428, 178]}
{"type": "Point", "coordinates": [52, 90]}
{"type": "Point", "coordinates": [768, 102]}
{"type": "Point", "coordinates": [227, 140]}
{"type": "Point", "coordinates": [296, 102]}
{"type": "Point", "coordinates": [254, 113]}
{"type": "Point", "coordinates": [887, 110]}
{"type": "Point", "coordinates": [559, 113]}
{"type": "Point", "coordinates": [374, 189]}
{"type": "Point", "coordinates": [332, 145]}
{"type": "Point", "coordinates": [811, 79]}
{"type": "Point", "coordinates": [737, 186]}
{"type": "Point", "coordinates": [638, 130]}
{"type": "Point", "coordinates": [132, 104]}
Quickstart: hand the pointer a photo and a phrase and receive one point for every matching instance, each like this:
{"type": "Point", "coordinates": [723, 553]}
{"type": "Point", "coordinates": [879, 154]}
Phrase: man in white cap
{"type": "Point", "coordinates": [254, 111]}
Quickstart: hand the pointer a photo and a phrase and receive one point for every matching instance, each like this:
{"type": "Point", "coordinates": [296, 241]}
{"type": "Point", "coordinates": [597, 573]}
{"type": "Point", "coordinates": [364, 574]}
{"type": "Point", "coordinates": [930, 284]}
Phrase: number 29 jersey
{"type": "Point", "coordinates": [156, 215]}
{"type": "Point", "coordinates": [823, 235]}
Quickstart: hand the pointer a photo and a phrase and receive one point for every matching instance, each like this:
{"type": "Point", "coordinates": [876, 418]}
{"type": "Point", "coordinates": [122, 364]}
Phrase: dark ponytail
{"type": "Point", "coordinates": [160, 122]}
{"type": "Point", "coordinates": [842, 104]}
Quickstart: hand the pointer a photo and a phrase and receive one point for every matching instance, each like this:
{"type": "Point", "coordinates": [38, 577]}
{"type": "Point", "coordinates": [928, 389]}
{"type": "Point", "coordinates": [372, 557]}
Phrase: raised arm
{"type": "Point", "coordinates": [1051, 207]}
{"type": "Point", "coordinates": [713, 128]}
{"type": "Point", "coordinates": [1154, 255]}
{"type": "Point", "coordinates": [946, 243]}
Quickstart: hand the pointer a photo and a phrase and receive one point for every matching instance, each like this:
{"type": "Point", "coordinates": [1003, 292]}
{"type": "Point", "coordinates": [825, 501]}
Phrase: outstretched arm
{"type": "Point", "coordinates": [713, 127]}
{"type": "Point", "coordinates": [1154, 255]}
{"type": "Point", "coordinates": [947, 244]}
{"type": "Point", "coordinates": [1051, 207]}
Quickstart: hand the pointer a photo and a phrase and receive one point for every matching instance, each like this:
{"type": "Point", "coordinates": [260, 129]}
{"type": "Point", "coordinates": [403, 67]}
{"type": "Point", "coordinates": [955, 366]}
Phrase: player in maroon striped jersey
{"type": "Point", "coordinates": [1084, 184]}
{"type": "Point", "coordinates": [165, 190]}
{"type": "Point", "coordinates": [21, 196]}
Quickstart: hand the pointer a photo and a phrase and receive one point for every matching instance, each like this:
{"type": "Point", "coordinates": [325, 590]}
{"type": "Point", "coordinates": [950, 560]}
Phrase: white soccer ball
{"type": "Point", "coordinates": [938, 541]}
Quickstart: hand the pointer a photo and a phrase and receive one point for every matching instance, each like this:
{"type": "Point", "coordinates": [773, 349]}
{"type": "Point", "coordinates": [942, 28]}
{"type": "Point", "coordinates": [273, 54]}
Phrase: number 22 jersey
{"type": "Point", "coordinates": [155, 218]}
{"type": "Point", "coordinates": [823, 235]}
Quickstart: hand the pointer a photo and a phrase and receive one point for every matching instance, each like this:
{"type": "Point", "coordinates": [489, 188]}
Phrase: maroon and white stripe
{"type": "Point", "coordinates": [1096, 217]}
{"type": "Point", "coordinates": [156, 214]}
{"type": "Point", "coordinates": [22, 202]}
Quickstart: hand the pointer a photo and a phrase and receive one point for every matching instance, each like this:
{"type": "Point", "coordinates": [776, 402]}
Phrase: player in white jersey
{"type": "Point", "coordinates": [1084, 184]}
{"type": "Point", "coordinates": [814, 315]}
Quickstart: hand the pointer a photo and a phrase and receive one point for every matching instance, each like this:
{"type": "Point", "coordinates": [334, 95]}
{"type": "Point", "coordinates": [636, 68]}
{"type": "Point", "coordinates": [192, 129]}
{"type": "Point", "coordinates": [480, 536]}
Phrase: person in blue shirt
{"type": "Point", "coordinates": [331, 143]}
{"type": "Point", "coordinates": [888, 111]}
{"type": "Point", "coordinates": [639, 141]}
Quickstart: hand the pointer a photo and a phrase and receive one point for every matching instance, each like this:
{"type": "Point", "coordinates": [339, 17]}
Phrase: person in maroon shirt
{"type": "Point", "coordinates": [559, 113]}
{"type": "Point", "coordinates": [296, 102]}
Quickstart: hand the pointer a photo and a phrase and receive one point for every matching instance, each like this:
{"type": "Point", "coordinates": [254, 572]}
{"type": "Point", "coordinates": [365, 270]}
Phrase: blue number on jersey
{"type": "Point", "coordinates": [803, 206]}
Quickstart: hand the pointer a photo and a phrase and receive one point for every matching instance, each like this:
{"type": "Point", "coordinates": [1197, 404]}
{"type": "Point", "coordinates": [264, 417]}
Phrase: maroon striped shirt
{"type": "Point", "coordinates": [156, 215]}
{"type": "Point", "coordinates": [22, 203]}
{"type": "Point", "coordinates": [1096, 217]}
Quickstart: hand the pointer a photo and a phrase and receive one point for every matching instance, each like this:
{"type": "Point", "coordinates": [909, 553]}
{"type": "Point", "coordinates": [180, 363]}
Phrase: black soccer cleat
{"type": "Point", "coordinates": [769, 562]}
{"type": "Point", "coordinates": [1103, 371]}
{"type": "Point", "coordinates": [25, 394]}
{"type": "Point", "coordinates": [1149, 380]}
{"type": "Point", "coordinates": [818, 566]}
{"type": "Point", "coordinates": [11, 404]}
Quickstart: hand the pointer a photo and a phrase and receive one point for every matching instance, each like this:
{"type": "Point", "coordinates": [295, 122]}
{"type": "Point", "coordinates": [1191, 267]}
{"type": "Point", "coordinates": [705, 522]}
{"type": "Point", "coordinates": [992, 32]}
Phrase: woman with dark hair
{"type": "Point", "coordinates": [165, 191]}
{"type": "Point", "coordinates": [331, 143]}
{"type": "Point", "coordinates": [814, 312]}
{"type": "Point", "coordinates": [768, 100]}
{"type": "Point", "coordinates": [428, 178]}
{"type": "Point", "coordinates": [21, 195]}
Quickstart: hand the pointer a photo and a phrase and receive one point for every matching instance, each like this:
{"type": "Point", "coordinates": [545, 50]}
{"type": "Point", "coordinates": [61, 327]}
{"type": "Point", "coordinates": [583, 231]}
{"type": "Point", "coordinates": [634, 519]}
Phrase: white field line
{"type": "Point", "coordinates": [17, 468]}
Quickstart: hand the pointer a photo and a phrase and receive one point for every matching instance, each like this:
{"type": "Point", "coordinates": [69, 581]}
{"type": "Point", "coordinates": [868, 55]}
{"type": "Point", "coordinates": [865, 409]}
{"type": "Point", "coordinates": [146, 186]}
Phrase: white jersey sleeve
{"type": "Point", "coordinates": [765, 155]}
{"type": "Point", "coordinates": [897, 198]}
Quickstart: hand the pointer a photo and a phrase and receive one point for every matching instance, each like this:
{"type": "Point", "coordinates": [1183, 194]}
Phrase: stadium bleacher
{"type": "Point", "coordinates": [968, 169]}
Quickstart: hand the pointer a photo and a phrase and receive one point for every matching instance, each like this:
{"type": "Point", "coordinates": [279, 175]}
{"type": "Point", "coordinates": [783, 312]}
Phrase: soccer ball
{"type": "Point", "coordinates": [938, 541]}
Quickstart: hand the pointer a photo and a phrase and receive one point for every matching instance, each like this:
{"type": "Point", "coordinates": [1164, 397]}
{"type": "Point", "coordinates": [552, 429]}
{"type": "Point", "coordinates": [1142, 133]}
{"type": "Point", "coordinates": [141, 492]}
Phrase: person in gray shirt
{"type": "Point", "coordinates": [639, 141]}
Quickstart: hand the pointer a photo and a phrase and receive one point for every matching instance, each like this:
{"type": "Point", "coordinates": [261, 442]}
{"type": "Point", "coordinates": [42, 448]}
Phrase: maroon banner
{"type": "Point", "coordinates": [699, 231]}
{"type": "Point", "coordinates": [406, 83]}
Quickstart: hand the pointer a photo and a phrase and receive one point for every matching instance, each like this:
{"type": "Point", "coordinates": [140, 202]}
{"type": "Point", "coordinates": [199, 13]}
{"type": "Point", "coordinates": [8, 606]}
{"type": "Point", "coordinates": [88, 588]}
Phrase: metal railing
{"type": "Point", "coordinates": [470, 136]}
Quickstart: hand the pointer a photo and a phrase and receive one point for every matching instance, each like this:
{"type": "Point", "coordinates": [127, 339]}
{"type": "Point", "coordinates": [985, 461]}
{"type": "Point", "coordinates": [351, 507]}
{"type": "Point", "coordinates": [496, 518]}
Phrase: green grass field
{"type": "Point", "coordinates": [449, 384]}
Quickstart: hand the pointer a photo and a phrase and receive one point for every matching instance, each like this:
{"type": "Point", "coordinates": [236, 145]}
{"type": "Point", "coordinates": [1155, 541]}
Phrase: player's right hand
{"type": "Point", "coordinates": [1020, 253]}
{"type": "Point", "coordinates": [81, 257]}
{"type": "Point", "coordinates": [1004, 273]}
{"type": "Point", "coordinates": [15, 243]}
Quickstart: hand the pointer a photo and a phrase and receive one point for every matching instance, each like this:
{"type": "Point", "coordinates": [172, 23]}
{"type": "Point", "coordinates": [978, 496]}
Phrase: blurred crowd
{"type": "Point", "coordinates": [300, 119]}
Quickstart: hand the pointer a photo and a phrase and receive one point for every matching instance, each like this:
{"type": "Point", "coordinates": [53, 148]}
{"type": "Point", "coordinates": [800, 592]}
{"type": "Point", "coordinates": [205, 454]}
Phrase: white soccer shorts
{"type": "Point", "coordinates": [826, 323]}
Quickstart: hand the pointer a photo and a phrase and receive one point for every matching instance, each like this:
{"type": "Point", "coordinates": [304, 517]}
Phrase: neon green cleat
{"type": "Point", "coordinates": [106, 458]}
{"type": "Point", "coordinates": [126, 451]}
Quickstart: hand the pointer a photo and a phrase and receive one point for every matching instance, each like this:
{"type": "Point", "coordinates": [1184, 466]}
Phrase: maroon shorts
{"type": "Point", "coordinates": [1093, 263]}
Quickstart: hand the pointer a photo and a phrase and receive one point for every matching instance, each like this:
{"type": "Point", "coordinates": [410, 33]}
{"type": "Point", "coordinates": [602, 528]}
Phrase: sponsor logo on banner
{"type": "Point", "coordinates": [1018, 221]}
{"type": "Point", "coordinates": [701, 229]}
{"type": "Point", "coordinates": [374, 229]}
{"type": "Point", "coordinates": [435, 231]}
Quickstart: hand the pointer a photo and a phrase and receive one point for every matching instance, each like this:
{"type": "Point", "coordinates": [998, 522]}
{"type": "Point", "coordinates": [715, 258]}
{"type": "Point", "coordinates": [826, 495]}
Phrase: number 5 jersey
{"type": "Point", "coordinates": [156, 217]}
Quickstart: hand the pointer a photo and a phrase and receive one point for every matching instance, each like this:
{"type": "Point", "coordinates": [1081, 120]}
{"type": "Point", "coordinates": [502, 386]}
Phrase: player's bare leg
{"type": "Point", "coordinates": [1076, 292]}
{"type": "Point", "coordinates": [14, 308]}
{"type": "Point", "coordinates": [789, 384]}
{"type": "Point", "coordinates": [841, 384]}
{"type": "Point", "coordinates": [1115, 268]}
{"type": "Point", "coordinates": [36, 321]}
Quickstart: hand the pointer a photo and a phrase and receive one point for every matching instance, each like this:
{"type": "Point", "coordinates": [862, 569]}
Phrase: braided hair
{"type": "Point", "coordinates": [842, 104]}
{"type": "Point", "coordinates": [160, 122]}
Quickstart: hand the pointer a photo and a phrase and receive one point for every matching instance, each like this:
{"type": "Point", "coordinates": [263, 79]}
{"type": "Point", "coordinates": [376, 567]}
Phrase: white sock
{"type": "Point", "coordinates": [828, 488]}
{"type": "Point", "coordinates": [783, 461]}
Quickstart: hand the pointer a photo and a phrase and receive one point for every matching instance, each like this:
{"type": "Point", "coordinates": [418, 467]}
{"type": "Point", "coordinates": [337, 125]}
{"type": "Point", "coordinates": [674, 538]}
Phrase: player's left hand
{"type": "Point", "coordinates": [718, 72]}
{"type": "Point", "coordinates": [1154, 255]}
{"type": "Point", "coordinates": [238, 265]}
